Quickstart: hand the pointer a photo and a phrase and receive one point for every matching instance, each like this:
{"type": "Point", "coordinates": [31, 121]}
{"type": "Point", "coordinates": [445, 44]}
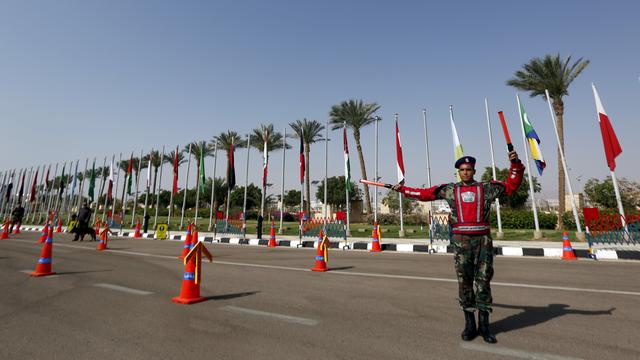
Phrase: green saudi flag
{"type": "Point", "coordinates": [92, 181]}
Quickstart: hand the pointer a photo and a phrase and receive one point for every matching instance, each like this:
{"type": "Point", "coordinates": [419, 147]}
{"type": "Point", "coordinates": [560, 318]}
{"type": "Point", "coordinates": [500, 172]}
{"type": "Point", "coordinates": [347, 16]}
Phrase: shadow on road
{"type": "Point", "coordinates": [81, 272]}
{"type": "Point", "coordinates": [341, 268]}
{"type": "Point", "coordinates": [231, 296]}
{"type": "Point", "coordinates": [534, 315]}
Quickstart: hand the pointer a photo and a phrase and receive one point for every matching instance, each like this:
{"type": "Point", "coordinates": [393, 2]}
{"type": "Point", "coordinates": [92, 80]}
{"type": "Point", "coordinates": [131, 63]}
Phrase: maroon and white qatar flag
{"type": "Point", "coordinates": [611, 145]}
{"type": "Point", "coordinates": [302, 165]}
{"type": "Point", "coordinates": [46, 180]}
{"type": "Point", "coordinates": [32, 197]}
{"type": "Point", "coordinates": [399, 160]}
{"type": "Point", "coordinates": [110, 188]}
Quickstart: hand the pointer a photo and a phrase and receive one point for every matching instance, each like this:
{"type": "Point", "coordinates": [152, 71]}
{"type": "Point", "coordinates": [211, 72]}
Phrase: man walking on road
{"type": "Point", "coordinates": [470, 203]}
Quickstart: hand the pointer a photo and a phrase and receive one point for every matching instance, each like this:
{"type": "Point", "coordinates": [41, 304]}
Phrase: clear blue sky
{"type": "Point", "coordinates": [81, 79]}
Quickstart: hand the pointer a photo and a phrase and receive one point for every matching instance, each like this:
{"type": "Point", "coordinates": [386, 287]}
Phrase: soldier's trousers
{"type": "Point", "coordinates": [473, 255]}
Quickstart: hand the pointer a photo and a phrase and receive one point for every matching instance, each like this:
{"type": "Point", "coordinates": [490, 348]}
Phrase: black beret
{"type": "Point", "coordinates": [466, 160]}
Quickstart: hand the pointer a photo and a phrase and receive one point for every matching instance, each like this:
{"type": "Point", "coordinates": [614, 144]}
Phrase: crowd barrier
{"type": "Point", "coordinates": [611, 229]}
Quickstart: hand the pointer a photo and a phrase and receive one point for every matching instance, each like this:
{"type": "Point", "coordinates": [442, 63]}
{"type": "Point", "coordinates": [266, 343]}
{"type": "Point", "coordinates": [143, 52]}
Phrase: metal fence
{"type": "Point", "coordinates": [333, 228]}
{"type": "Point", "coordinates": [611, 228]}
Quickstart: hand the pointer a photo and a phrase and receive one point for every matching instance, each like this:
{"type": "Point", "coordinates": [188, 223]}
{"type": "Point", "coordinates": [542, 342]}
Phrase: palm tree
{"type": "Point", "coordinates": [555, 75]}
{"type": "Point", "coordinates": [265, 134]}
{"type": "Point", "coordinates": [356, 114]}
{"type": "Point", "coordinates": [311, 132]}
{"type": "Point", "coordinates": [224, 141]}
{"type": "Point", "coordinates": [170, 159]}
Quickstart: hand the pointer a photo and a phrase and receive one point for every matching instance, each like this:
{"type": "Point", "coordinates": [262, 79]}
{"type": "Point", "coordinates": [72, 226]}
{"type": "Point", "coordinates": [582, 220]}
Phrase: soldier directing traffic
{"type": "Point", "coordinates": [470, 202]}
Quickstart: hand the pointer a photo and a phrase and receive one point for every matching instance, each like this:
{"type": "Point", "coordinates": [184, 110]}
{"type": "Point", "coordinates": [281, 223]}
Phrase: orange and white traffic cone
{"type": "Point", "coordinates": [187, 243]}
{"type": "Point", "coordinates": [190, 290]}
{"type": "Point", "coordinates": [272, 236]}
{"type": "Point", "coordinates": [5, 230]}
{"type": "Point", "coordinates": [137, 234]}
{"type": "Point", "coordinates": [322, 254]}
{"type": "Point", "coordinates": [567, 250]}
{"type": "Point", "coordinates": [16, 230]}
{"type": "Point", "coordinates": [375, 244]}
{"type": "Point", "coordinates": [43, 268]}
{"type": "Point", "coordinates": [104, 238]}
{"type": "Point", "coordinates": [59, 228]}
{"type": "Point", "coordinates": [45, 232]}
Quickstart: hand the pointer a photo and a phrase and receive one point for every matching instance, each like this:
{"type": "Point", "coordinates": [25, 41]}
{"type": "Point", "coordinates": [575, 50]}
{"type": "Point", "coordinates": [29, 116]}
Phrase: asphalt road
{"type": "Point", "coordinates": [265, 304]}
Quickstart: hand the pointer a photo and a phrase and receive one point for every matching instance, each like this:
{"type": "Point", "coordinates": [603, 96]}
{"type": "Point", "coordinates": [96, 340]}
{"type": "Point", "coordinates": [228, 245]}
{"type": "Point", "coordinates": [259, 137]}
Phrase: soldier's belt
{"type": "Point", "coordinates": [471, 229]}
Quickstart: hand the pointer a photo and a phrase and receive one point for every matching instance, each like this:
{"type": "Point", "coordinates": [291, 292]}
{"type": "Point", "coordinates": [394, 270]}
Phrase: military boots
{"type": "Point", "coordinates": [470, 332]}
{"type": "Point", "coordinates": [483, 328]}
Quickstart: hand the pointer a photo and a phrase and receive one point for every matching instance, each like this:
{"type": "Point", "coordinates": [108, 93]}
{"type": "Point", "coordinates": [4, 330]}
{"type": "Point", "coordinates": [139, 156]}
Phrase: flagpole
{"type": "Point", "coordinates": [155, 218]}
{"type": "Point", "coordinates": [28, 200]}
{"type": "Point", "coordinates": [96, 199]}
{"type": "Point", "coordinates": [346, 179]}
{"type": "Point", "coordinates": [232, 149]}
{"type": "Point", "coordinates": [175, 169]}
{"type": "Point", "coordinates": [71, 196]}
{"type": "Point", "coordinates": [244, 203]}
{"type": "Point", "coordinates": [49, 193]}
{"type": "Point", "coordinates": [186, 186]}
{"type": "Point", "coordinates": [37, 195]}
{"type": "Point", "coordinates": [123, 209]}
{"type": "Point", "coordinates": [616, 189]}
{"type": "Point", "coordinates": [326, 170]}
{"type": "Point", "coordinates": [401, 232]}
{"type": "Point", "coordinates": [537, 234]}
{"type": "Point", "coordinates": [284, 151]}
{"type": "Point", "coordinates": [499, 234]}
{"type": "Point", "coordinates": [146, 194]}
{"type": "Point", "coordinates": [115, 190]}
{"type": "Point", "coordinates": [198, 176]}
{"type": "Point", "coordinates": [304, 166]}
{"type": "Point", "coordinates": [458, 152]}
{"type": "Point", "coordinates": [81, 189]}
{"type": "Point", "coordinates": [265, 165]}
{"type": "Point", "coordinates": [574, 208]}
{"type": "Point", "coordinates": [135, 199]}
{"type": "Point", "coordinates": [375, 171]}
{"type": "Point", "coordinates": [213, 184]}
{"type": "Point", "coordinates": [106, 195]}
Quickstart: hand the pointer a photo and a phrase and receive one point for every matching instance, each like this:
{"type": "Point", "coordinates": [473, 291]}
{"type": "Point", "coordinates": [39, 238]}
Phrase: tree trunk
{"type": "Point", "coordinates": [363, 170]}
{"type": "Point", "coordinates": [306, 179]}
{"type": "Point", "coordinates": [558, 108]}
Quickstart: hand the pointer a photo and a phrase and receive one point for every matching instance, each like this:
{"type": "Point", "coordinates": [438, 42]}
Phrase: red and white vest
{"type": "Point", "coordinates": [470, 210]}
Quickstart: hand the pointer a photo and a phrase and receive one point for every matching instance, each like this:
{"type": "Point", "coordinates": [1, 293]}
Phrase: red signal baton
{"type": "Point", "coordinates": [505, 131]}
{"type": "Point", "coordinates": [375, 183]}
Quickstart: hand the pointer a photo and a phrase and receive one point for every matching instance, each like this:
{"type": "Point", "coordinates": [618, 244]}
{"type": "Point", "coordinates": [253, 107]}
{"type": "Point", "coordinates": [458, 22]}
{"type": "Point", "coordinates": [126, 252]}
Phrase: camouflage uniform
{"type": "Point", "coordinates": [472, 243]}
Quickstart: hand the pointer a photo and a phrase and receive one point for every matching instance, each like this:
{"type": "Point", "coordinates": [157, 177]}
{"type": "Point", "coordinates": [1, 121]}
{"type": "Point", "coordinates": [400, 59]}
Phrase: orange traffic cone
{"type": "Point", "coordinates": [375, 244]}
{"type": "Point", "coordinates": [567, 250]}
{"type": "Point", "coordinates": [59, 228]}
{"type": "Point", "coordinates": [43, 268]}
{"type": "Point", "coordinates": [322, 254]}
{"type": "Point", "coordinates": [45, 232]}
{"type": "Point", "coordinates": [272, 236]}
{"type": "Point", "coordinates": [17, 229]}
{"type": "Point", "coordinates": [5, 230]}
{"type": "Point", "coordinates": [104, 238]}
{"type": "Point", "coordinates": [190, 291]}
{"type": "Point", "coordinates": [137, 234]}
{"type": "Point", "coordinates": [187, 243]}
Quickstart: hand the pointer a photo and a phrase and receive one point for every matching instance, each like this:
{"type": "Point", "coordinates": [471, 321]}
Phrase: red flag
{"type": "Point", "coordinates": [611, 145]}
{"type": "Point", "coordinates": [46, 179]}
{"type": "Point", "coordinates": [32, 198]}
{"type": "Point", "coordinates": [175, 172]}
{"type": "Point", "coordinates": [302, 162]}
{"type": "Point", "coordinates": [21, 191]}
{"type": "Point", "coordinates": [399, 160]}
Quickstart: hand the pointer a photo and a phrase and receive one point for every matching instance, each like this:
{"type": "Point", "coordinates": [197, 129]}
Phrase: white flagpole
{"type": "Point", "coordinates": [574, 208]}
{"type": "Point", "coordinates": [97, 198]}
{"type": "Point", "coordinates": [106, 196]}
{"type": "Point", "coordinates": [186, 186]}
{"type": "Point", "coordinates": [499, 234]}
{"type": "Point", "coordinates": [115, 189]}
{"type": "Point", "coordinates": [246, 185]}
{"type": "Point", "coordinates": [147, 185]}
{"type": "Point", "coordinates": [81, 187]}
{"type": "Point", "coordinates": [135, 199]}
{"type": "Point", "coordinates": [346, 188]}
{"type": "Point", "coordinates": [426, 144]}
{"type": "Point", "coordinates": [213, 182]}
{"type": "Point", "coordinates": [159, 183]}
{"type": "Point", "coordinates": [197, 188]}
{"type": "Point", "coordinates": [284, 151]}
{"type": "Point", "coordinates": [326, 171]}
{"type": "Point", "coordinates": [537, 234]}
{"type": "Point", "coordinates": [171, 196]}
{"type": "Point", "coordinates": [375, 162]}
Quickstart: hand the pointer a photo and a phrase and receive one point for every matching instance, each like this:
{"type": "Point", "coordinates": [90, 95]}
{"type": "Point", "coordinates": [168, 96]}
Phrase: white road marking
{"type": "Point", "coordinates": [123, 289]}
{"type": "Point", "coordinates": [520, 354]}
{"type": "Point", "coordinates": [287, 318]}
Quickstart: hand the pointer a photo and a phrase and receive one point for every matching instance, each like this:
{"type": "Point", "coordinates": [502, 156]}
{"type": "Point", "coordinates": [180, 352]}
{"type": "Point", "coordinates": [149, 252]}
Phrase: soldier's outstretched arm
{"type": "Point", "coordinates": [426, 194]}
{"type": "Point", "coordinates": [516, 174]}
